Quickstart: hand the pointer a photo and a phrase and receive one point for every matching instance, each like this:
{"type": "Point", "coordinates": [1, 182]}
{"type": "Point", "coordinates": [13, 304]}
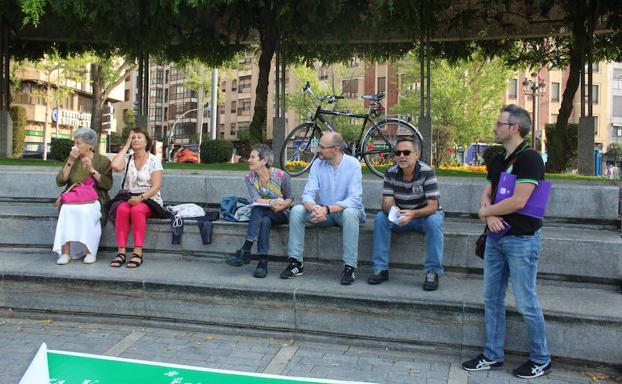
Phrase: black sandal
{"type": "Point", "coordinates": [118, 260]}
{"type": "Point", "coordinates": [133, 263]}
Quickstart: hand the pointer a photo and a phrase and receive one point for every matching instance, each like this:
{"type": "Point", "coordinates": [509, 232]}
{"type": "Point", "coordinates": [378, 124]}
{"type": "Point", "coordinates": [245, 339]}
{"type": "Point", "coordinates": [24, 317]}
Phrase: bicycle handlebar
{"type": "Point", "coordinates": [329, 99]}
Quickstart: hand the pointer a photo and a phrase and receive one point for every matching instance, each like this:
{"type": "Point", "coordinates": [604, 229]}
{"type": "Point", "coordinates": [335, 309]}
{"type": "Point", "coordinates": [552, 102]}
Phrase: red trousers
{"type": "Point", "coordinates": [136, 215]}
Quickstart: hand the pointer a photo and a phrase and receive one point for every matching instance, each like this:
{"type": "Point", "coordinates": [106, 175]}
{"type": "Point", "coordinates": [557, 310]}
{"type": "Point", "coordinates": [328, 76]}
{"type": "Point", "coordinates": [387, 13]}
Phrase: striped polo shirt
{"type": "Point", "coordinates": [412, 194]}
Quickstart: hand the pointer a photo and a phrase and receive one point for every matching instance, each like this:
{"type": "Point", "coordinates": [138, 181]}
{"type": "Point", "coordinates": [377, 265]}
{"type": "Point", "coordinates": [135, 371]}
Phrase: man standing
{"type": "Point", "coordinates": [411, 190]}
{"type": "Point", "coordinates": [332, 196]}
{"type": "Point", "coordinates": [515, 255]}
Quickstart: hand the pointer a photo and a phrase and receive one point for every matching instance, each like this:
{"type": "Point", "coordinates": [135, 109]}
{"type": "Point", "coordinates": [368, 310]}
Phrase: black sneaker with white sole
{"type": "Point", "coordinates": [347, 276]}
{"type": "Point", "coordinates": [530, 370]}
{"type": "Point", "coordinates": [481, 363]}
{"type": "Point", "coordinates": [292, 270]}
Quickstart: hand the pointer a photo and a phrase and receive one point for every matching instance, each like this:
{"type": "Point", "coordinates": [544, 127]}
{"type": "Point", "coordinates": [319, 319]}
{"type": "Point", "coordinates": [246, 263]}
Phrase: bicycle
{"type": "Point", "coordinates": [376, 146]}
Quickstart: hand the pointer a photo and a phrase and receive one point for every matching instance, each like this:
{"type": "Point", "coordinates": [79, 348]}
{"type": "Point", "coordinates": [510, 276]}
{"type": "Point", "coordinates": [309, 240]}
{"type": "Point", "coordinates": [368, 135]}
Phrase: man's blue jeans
{"type": "Point", "coordinates": [514, 257]}
{"type": "Point", "coordinates": [348, 220]}
{"type": "Point", "coordinates": [431, 226]}
{"type": "Point", "coordinates": [261, 220]}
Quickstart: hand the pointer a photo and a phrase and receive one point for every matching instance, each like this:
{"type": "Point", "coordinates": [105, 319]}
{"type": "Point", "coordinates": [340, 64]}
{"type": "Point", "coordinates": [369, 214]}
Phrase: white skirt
{"type": "Point", "coordinates": [80, 225]}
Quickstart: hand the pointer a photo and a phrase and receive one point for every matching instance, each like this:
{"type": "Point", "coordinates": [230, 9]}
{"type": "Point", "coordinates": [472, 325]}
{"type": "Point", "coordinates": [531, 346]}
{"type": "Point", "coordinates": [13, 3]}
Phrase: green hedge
{"type": "Point", "coordinates": [561, 147]}
{"type": "Point", "coordinates": [18, 115]}
{"type": "Point", "coordinates": [60, 148]}
{"type": "Point", "coordinates": [216, 151]}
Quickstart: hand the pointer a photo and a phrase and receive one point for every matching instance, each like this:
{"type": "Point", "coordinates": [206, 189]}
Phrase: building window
{"type": "Point", "coordinates": [234, 85]}
{"type": "Point", "coordinates": [617, 131]}
{"type": "Point", "coordinates": [513, 89]}
{"type": "Point", "coordinates": [245, 108]}
{"type": "Point", "coordinates": [594, 94]}
{"type": "Point", "coordinates": [158, 114]}
{"type": "Point", "coordinates": [595, 125]}
{"type": "Point", "coordinates": [245, 84]}
{"type": "Point", "coordinates": [382, 85]}
{"type": "Point", "coordinates": [555, 92]}
{"type": "Point", "coordinates": [350, 88]}
{"type": "Point", "coordinates": [223, 86]}
{"type": "Point", "coordinates": [166, 76]}
{"type": "Point", "coordinates": [616, 106]}
{"type": "Point", "coordinates": [166, 95]}
{"type": "Point", "coordinates": [126, 96]}
{"type": "Point", "coordinates": [233, 106]}
{"type": "Point", "coordinates": [322, 73]}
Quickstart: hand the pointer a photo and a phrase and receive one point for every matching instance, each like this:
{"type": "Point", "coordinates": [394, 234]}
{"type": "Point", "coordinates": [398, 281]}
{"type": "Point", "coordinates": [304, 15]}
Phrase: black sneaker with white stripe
{"type": "Point", "coordinates": [529, 370]}
{"type": "Point", "coordinates": [481, 363]}
{"type": "Point", "coordinates": [293, 269]}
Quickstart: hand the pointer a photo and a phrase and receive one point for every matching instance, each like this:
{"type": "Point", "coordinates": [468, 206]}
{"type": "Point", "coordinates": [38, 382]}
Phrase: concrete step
{"type": "Point", "coordinates": [588, 254]}
{"type": "Point", "coordinates": [584, 321]}
{"type": "Point", "coordinates": [570, 201]}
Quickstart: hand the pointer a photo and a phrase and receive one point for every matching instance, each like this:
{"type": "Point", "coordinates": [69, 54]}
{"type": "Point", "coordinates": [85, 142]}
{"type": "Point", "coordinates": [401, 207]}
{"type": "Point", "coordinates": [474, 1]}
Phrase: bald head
{"type": "Point", "coordinates": [332, 139]}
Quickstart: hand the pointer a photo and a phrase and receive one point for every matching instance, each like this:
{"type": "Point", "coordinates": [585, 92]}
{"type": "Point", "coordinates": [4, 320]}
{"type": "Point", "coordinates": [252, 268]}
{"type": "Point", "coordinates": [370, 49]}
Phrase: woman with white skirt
{"type": "Point", "coordinates": [79, 229]}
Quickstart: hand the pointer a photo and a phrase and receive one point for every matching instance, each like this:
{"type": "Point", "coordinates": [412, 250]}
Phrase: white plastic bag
{"type": "Point", "coordinates": [186, 210]}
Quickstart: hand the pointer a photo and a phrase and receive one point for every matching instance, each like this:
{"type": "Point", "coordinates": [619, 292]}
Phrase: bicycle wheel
{"type": "Point", "coordinates": [300, 149]}
{"type": "Point", "coordinates": [378, 145]}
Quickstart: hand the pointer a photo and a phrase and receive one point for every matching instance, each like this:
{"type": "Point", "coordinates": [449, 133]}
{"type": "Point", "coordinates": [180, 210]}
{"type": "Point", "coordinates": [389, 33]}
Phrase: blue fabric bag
{"type": "Point", "coordinates": [229, 205]}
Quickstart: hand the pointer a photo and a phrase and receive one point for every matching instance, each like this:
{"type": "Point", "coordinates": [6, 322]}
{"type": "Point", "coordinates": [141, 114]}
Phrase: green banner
{"type": "Point", "coordinates": [78, 368]}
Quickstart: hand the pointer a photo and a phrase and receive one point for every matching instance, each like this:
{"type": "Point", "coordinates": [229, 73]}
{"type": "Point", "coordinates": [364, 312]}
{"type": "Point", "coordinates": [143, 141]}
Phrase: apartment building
{"type": "Point", "coordinates": [606, 99]}
{"type": "Point", "coordinates": [65, 114]}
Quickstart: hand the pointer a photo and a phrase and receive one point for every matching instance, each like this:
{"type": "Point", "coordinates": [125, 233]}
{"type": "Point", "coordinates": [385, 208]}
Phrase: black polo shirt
{"type": "Point", "coordinates": [528, 168]}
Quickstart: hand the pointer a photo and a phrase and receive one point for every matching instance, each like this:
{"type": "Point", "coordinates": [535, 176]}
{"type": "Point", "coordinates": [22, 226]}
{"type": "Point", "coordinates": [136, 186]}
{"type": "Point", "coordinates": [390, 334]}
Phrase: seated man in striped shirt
{"type": "Point", "coordinates": [411, 191]}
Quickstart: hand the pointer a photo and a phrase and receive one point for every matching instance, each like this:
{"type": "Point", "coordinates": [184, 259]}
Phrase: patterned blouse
{"type": "Point", "coordinates": [279, 186]}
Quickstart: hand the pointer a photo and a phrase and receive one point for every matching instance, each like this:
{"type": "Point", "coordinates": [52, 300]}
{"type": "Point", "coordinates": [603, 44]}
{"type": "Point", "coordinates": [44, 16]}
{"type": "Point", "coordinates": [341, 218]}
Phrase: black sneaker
{"type": "Point", "coordinates": [431, 281]}
{"type": "Point", "coordinates": [239, 259]}
{"type": "Point", "coordinates": [293, 269]}
{"type": "Point", "coordinates": [378, 277]}
{"type": "Point", "coordinates": [481, 363]}
{"type": "Point", "coordinates": [262, 269]}
{"type": "Point", "coordinates": [530, 370]}
{"type": "Point", "coordinates": [347, 276]}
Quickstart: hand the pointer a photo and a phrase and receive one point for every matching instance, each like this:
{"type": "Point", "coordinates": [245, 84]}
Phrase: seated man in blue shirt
{"type": "Point", "coordinates": [410, 188]}
{"type": "Point", "coordinates": [332, 196]}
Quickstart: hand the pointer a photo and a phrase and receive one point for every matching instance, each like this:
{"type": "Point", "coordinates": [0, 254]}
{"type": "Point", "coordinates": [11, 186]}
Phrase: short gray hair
{"type": "Point", "coordinates": [338, 141]}
{"type": "Point", "coordinates": [265, 153]}
{"type": "Point", "coordinates": [518, 116]}
{"type": "Point", "coordinates": [87, 135]}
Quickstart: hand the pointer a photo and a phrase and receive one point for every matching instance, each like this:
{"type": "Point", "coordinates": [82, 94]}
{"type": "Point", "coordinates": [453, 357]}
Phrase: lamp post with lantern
{"type": "Point", "coordinates": [535, 87]}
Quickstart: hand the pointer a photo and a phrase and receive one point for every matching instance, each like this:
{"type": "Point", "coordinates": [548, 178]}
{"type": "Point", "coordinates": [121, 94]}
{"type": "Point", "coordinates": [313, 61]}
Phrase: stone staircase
{"type": "Point", "coordinates": [579, 280]}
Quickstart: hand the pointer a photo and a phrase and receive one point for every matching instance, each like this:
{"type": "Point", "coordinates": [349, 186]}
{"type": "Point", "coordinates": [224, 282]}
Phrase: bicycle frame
{"type": "Point", "coordinates": [357, 150]}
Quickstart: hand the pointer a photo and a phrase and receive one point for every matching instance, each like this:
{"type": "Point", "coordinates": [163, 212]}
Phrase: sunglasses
{"type": "Point", "coordinates": [405, 153]}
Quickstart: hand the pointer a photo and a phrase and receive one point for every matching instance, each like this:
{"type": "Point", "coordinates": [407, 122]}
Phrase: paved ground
{"type": "Point", "coordinates": [247, 351]}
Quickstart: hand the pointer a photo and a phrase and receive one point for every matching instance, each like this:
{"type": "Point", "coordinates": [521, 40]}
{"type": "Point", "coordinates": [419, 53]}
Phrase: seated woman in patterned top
{"type": "Point", "coordinates": [270, 187]}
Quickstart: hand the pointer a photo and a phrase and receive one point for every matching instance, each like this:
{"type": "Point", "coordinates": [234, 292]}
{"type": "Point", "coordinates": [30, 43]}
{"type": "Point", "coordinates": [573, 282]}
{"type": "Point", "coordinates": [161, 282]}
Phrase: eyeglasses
{"type": "Point", "coordinates": [405, 153]}
{"type": "Point", "coordinates": [326, 147]}
{"type": "Point", "coordinates": [500, 123]}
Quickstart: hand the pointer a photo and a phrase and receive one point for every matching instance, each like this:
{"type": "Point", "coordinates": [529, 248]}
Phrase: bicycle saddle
{"type": "Point", "coordinates": [376, 97]}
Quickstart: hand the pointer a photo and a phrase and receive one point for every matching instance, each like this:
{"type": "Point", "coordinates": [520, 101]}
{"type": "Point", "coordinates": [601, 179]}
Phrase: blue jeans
{"type": "Point", "coordinates": [515, 257]}
{"type": "Point", "coordinates": [348, 220]}
{"type": "Point", "coordinates": [431, 226]}
{"type": "Point", "coordinates": [262, 219]}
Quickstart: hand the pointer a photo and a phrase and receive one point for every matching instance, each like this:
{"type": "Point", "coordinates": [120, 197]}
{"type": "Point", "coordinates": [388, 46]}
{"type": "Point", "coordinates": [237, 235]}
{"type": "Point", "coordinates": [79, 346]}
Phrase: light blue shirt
{"type": "Point", "coordinates": [342, 186]}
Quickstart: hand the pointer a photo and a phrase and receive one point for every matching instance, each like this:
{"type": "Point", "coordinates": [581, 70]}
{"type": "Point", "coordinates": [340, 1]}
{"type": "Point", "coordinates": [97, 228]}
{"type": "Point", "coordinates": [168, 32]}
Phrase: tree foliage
{"type": "Point", "coordinates": [465, 97]}
{"type": "Point", "coordinates": [18, 116]}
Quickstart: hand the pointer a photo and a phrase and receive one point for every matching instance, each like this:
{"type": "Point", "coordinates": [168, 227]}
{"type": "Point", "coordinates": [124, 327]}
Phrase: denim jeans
{"type": "Point", "coordinates": [262, 219]}
{"type": "Point", "coordinates": [514, 257]}
{"type": "Point", "coordinates": [431, 226]}
{"type": "Point", "coordinates": [348, 220]}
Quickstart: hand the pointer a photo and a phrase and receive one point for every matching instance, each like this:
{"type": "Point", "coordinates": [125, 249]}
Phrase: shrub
{"type": "Point", "coordinates": [561, 147]}
{"type": "Point", "coordinates": [60, 148]}
{"type": "Point", "coordinates": [216, 151]}
{"type": "Point", "coordinates": [18, 115]}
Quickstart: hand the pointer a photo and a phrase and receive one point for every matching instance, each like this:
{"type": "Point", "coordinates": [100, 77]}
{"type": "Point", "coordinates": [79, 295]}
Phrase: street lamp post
{"type": "Point", "coordinates": [169, 151]}
{"type": "Point", "coordinates": [535, 87]}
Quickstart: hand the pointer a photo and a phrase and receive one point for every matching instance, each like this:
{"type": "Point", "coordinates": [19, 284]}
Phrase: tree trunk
{"type": "Point", "coordinates": [97, 83]}
{"type": "Point", "coordinates": [260, 113]}
{"type": "Point", "coordinates": [45, 121]}
{"type": "Point", "coordinates": [578, 48]}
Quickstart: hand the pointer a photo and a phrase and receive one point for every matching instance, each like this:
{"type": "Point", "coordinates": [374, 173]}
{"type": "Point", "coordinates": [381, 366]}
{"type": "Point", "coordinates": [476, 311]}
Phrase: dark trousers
{"type": "Point", "coordinates": [262, 219]}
